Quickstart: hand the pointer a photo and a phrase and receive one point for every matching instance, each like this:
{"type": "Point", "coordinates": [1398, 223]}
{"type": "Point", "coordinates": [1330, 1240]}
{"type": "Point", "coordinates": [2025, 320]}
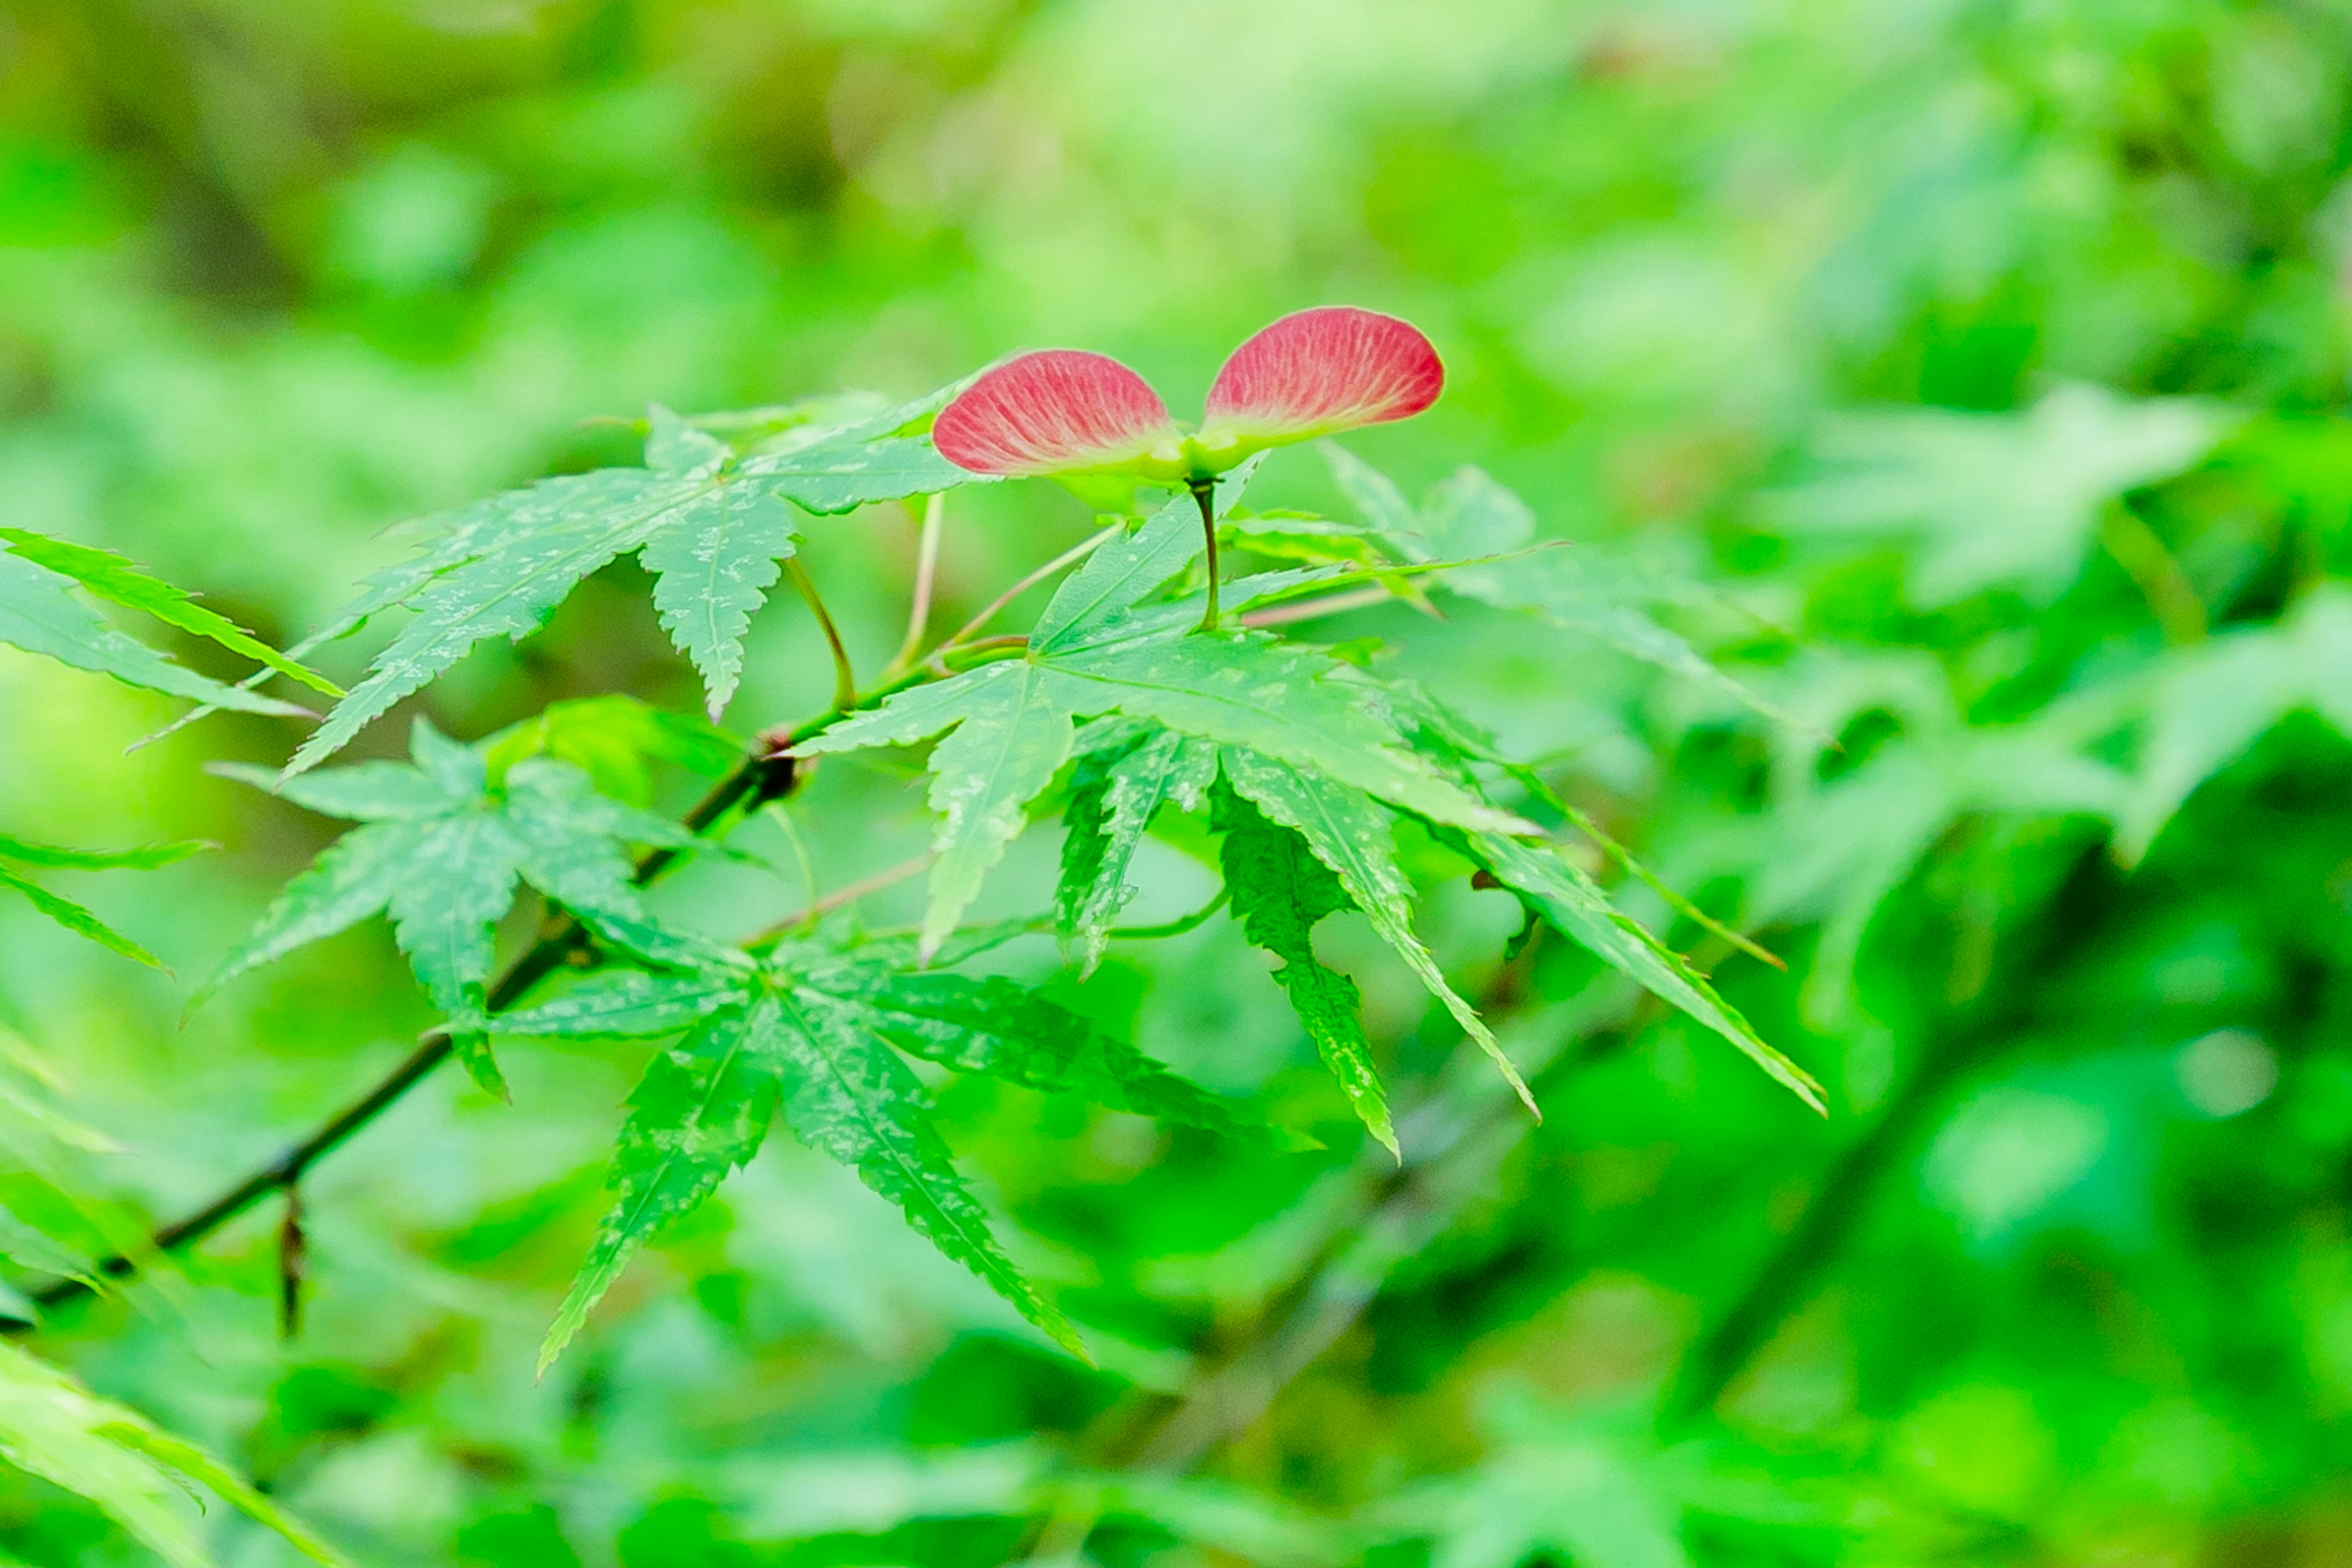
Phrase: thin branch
{"type": "Point", "coordinates": [927, 566]}
{"type": "Point", "coordinates": [1071, 556]}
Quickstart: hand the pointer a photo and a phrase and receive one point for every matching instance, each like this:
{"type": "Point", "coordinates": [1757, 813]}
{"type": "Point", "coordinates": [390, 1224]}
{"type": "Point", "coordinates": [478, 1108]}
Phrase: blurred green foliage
{"type": "Point", "coordinates": [1982, 365]}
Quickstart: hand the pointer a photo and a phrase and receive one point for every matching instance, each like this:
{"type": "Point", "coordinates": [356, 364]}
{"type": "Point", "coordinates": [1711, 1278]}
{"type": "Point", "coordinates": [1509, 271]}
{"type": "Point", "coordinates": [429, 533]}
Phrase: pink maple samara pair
{"type": "Point", "coordinates": [1064, 411]}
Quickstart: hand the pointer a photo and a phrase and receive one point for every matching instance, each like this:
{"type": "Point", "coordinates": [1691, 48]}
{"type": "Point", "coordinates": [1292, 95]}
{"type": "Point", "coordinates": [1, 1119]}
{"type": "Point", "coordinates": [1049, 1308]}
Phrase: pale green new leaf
{"type": "Point", "coordinates": [114, 579]}
{"type": "Point", "coordinates": [1279, 891]}
{"type": "Point", "coordinates": [53, 1428]}
{"type": "Point", "coordinates": [40, 613]}
{"type": "Point", "coordinates": [1355, 837]}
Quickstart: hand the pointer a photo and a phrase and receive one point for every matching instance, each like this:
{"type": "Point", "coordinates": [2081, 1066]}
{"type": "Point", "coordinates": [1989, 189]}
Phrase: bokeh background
{"type": "Point", "coordinates": [1977, 368]}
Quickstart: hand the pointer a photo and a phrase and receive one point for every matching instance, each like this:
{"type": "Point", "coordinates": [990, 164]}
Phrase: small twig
{"type": "Point", "coordinates": [2171, 597]}
{"type": "Point", "coordinates": [845, 678]}
{"type": "Point", "coordinates": [293, 1254]}
{"type": "Point", "coordinates": [927, 566]}
{"type": "Point", "coordinates": [1071, 556]}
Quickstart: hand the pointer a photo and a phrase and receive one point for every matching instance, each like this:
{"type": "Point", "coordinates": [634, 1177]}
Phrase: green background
{"type": "Point", "coordinates": [1975, 369]}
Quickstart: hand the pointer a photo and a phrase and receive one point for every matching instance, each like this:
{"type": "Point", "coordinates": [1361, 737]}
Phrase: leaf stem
{"type": "Point", "coordinates": [1205, 495]}
{"type": "Point", "coordinates": [1070, 557]}
{"type": "Point", "coordinates": [845, 678]}
{"type": "Point", "coordinates": [819, 908]}
{"type": "Point", "coordinates": [1176, 927]}
{"type": "Point", "coordinates": [1311, 609]}
{"type": "Point", "coordinates": [927, 566]}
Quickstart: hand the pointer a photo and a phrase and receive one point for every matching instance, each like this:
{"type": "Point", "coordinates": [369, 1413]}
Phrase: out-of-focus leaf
{"type": "Point", "coordinates": [40, 613]}
{"type": "Point", "coordinates": [1990, 499]}
{"type": "Point", "coordinates": [145, 858]}
{"type": "Point", "coordinates": [53, 1428]}
{"type": "Point", "coordinates": [2207, 702]}
{"type": "Point", "coordinates": [76, 920]}
{"type": "Point", "coordinates": [114, 579]}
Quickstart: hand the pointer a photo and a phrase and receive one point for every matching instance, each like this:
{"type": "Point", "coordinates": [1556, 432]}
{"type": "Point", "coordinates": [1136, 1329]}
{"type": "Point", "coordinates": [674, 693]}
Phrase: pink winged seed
{"type": "Point", "coordinates": [1050, 412]}
{"type": "Point", "coordinates": [1321, 371]}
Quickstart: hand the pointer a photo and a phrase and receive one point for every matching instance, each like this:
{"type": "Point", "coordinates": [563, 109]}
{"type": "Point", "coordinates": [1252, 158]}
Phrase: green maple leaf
{"type": "Point", "coordinates": [442, 853]}
{"type": "Point", "coordinates": [1101, 647]}
{"type": "Point", "coordinates": [812, 1031]}
{"type": "Point", "coordinates": [1565, 897]}
{"type": "Point", "coordinates": [711, 527]}
{"type": "Point", "coordinates": [1279, 891]}
{"type": "Point", "coordinates": [1126, 773]}
{"type": "Point", "coordinates": [1355, 838]}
